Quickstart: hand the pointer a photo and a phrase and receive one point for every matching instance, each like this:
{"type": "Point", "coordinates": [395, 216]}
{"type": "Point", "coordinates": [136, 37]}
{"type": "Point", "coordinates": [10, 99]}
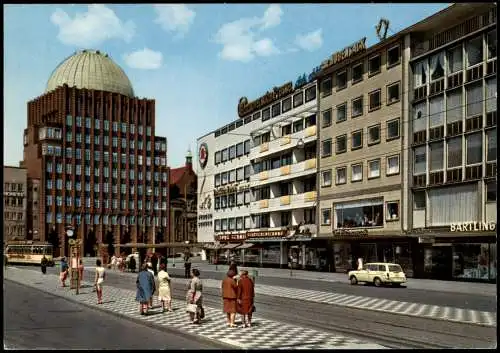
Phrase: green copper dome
{"type": "Point", "coordinates": [91, 69]}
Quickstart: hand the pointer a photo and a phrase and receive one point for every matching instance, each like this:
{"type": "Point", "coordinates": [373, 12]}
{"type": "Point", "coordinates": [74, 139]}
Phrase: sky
{"type": "Point", "coordinates": [196, 61]}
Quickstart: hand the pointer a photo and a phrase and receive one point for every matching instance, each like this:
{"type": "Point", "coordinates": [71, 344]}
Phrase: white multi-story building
{"type": "Point", "coordinates": [257, 177]}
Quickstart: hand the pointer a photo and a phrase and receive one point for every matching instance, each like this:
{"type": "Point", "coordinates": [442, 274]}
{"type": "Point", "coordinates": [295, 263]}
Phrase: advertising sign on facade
{"type": "Point", "coordinates": [473, 227]}
{"type": "Point", "coordinates": [203, 155]}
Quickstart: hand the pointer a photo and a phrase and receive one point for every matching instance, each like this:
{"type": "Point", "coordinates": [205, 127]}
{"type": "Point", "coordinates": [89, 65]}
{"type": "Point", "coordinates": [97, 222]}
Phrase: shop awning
{"type": "Point", "coordinates": [245, 246]}
{"type": "Point", "coordinates": [230, 246]}
{"type": "Point", "coordinates": [266, 239]}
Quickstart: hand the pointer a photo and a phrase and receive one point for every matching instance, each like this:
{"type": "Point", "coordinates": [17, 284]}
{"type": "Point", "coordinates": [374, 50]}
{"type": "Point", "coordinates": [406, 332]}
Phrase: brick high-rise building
{"type": "Point", "coordinates": [91, 145]}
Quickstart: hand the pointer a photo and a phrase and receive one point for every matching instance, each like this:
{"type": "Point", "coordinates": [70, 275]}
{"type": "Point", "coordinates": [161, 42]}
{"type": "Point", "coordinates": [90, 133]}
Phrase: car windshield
{"type": "Point", "coordinates": [395, 268]}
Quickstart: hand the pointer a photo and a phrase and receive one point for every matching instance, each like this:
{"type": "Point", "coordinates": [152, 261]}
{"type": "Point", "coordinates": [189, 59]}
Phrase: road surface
{"type": "Point", "coordinates": [384, 328]}
{"type": "Point", "coordinates": [35, 319]}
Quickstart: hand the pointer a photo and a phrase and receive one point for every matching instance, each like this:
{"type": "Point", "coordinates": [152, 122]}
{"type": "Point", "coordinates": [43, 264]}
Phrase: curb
{"type": "Point", "coordinates": [136, 320]}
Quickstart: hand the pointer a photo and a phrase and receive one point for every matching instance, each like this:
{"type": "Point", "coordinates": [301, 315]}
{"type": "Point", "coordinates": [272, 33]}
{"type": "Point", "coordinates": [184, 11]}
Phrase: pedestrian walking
{"type": "Point", "coordinates": [154, 263]}
{"type": "Point", "coordinates": [80, 271]}
{"type": "Point", "coordinates": [132, 264]}
{"type": "Point", "coordinates": [100, 275]}
{"type": "Point", "coordinates": [64, 272]}
{"type": "Point", "coordinates": [233, 267]}
{"type": "Point", "coordinates": [194, 298]}
{"type": "Point", "coordinates": [187, 266]}
{"type": "Point", "coordinates": [44, 264]}
{"type": "Point", "coordinates": [246, 295]}
{"type": "Point", "coordinates": [150, 270]}
{"type": "Point", "coordinates": [164, 290]}
{"type": "Point", "coordinates": [229, 296]}
{"type": "Point", "coordinates": [145, 288]}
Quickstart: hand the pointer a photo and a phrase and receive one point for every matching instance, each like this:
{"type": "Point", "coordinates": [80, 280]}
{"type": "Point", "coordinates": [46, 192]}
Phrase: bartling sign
{"type": "Point", "coordinates": [245, 108]}
{"type": "Point", "coordinates": [473, 227]}
{"type": "Point", "coordinates": [345, 53]}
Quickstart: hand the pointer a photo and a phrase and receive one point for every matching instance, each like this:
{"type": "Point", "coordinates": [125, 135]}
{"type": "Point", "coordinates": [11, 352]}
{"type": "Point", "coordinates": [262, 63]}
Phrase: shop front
{"type": "Point", "coordinates": [464, 255]}
{"type": "Point", "coordinates": [349, 245]}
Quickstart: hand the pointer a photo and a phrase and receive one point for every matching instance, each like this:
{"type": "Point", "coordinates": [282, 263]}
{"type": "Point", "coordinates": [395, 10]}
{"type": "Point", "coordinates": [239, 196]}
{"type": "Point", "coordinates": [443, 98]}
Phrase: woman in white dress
{"type": "Point", "coordinates": [164, 291]}
{"type": "Point", "coordinates": [100, 275]}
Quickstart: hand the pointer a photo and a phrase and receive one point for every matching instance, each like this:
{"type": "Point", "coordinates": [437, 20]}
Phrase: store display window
{"type": "Point", "coordinates": [474, 261]}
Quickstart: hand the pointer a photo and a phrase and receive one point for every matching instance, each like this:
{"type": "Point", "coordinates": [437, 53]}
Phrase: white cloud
{"type": "Point", "coordinates": [272, 16]}
{"type": "Point", "coordinates": [310, 41]}
{"type": "Point", "coordinates": [145, 59]}
{"type": "Point", "coordinates": [93, 27]}
{"type": "Point", "coordinates": [239, 38]}
{"type": "Point", "coordinates": [175, 18]}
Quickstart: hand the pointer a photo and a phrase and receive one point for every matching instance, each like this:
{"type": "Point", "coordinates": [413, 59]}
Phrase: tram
{"type": "Point", "coordinates": [28, 253]}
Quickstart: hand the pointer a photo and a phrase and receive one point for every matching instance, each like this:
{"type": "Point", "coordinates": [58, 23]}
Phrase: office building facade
{"type": "Point", "coordinates": [91, 145]}
{"type": "Point", "coordinates": [15, 204]}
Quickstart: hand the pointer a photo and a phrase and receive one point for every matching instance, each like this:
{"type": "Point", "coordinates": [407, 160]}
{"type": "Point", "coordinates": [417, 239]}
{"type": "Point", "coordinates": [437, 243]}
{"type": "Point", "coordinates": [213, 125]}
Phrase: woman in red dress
{"type": "Point", "coordinates": [229, 296]}
{"type": "Point", "coordinates": [246, 295]}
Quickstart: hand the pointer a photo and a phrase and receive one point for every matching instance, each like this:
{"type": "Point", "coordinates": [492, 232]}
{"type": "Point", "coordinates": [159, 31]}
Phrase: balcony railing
{"type": "Point", "coordinates": [283, 143]}
{"type": "Point", "coordinates": [283, 173]}
{"type": "Point", "coordinates": [303, 200]}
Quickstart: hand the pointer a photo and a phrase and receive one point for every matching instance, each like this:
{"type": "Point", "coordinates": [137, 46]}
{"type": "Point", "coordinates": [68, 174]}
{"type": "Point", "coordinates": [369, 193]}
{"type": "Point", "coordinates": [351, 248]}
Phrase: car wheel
{"type": "Point", "coordinates": [353, 280]}
{"type": "Point", "coordinates": [377, 282]}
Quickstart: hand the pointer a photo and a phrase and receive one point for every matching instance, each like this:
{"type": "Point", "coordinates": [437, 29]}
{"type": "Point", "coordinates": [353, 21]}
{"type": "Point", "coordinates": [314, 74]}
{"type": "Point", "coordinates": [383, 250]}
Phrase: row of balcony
{"type": "Point", "coordinates": [283, 143]}
{"type": "Point", "coordinates": [296, 170]}
{"type": "Point", "coordinates": [288, 202]}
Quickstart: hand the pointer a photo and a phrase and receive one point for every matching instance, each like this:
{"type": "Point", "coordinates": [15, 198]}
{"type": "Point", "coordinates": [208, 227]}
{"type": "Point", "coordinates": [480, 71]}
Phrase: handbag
{"type": "Point", "coordinates": [253, 308]}
{"type": "Point", "coordinates": [191, 308]}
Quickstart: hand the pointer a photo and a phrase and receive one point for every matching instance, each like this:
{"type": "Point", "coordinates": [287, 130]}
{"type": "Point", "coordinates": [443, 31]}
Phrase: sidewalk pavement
{"type": "Point", "coordinates": [264, 334]}
{"type": "Point", "coordinates": [413, 283]}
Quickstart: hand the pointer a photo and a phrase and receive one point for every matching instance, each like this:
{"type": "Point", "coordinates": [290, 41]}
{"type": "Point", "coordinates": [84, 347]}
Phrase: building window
{"type": "Point", "coordinates": [326, 118]}
{"type": "Point", "coordinates": [474, 49]}
{"type": "Point", "coordinates": [491, 95]}
{"type": "Point", "coordinates": [436, 111]}
{"type": "Point", "coordinates": [436, 151]}
{"type": "Point", "coordinates": [393, 56]}
{"type": "Point", "coordinates": [340, 175]}
{"type": "Point", "coordinates": [419, 160]}
{"type": "Point", "coordinates": [474, 99]}
{"type": "Point", "coordinates": [419, 200]}
{"type": "Point", "coordinates": [491, 42]}
{"type": "Point", "coordinates": [247, 147]}
{"type": "Point", "coordinates": [363, 213]}
{"type": "Point", "coordinates": [453, 204]}
{"type": "Point", "coordinates": [326, 148]}
{"type": "Point", "coordinates": [326, 87]}
{"type": "Point", "coordinates": [357, 107]}
{"type": "Point", "coordinates": [454, 106]}
{"type": "Point", "coordinates": [217, 157]}
{"type": "Point", "coordinates": [374, 169]}
{"type": "Point", "coordinates": [455, 59]}
{"type": "Point", "coordinates": [232, 152]}
{"type": "Point", "coordinates": [341, 144]}
{"type": "Point", "coordinates": [393, 93]}
{"type": "Point", "coordinates": [310, 93]}
{"type": "Point", "coordinates": [420, 74]}
{"type": "Point", "coordinates": [356, 172]}
{"type": "Point", "coordinates": [491, 191]}
{"type": "Point", "coordinates": [357, 140]}
{"type": "Point", "coordinates": [287, 104]}
{"type": "Point", "coordinates": [326, 178]}
{"type": "Point", "coordinates": [374, 65]}
{"type": "Point", "coordinates": [491, 140]}
{"type": "Point", "coordinates": [276, 110]}
{"type": "Point", "coordinates": [341, 80]}
{"type": "Point", "coordinates": [239, 149]}
{"type": "Point", "coordinates": [341, 112]}
{"type": "Point", "coordinates": [373, 135]}
{"type": "Point", "coordinates": [357, 73]}
{"type": "Point", "coordinates": [437, 66]}
{"type": "Point", "coordinates": [225, 155]}
{"type": "Point", "coordinates": [266, 114]}
{"type": "Point", "coordinates": [298, 99]}
{"type": "Point", "coordinates": [474, 148]}
{"type": "Point", "coordinates": [420, 116]}
{"type": "Point", "coordinates": [374, 100]}
{"type": "Point", "coordinates": [393, 165]}
{"type": "Point", "coordinates": [392, 210]}
{"type": "Point", "coordinates": [326, 216]}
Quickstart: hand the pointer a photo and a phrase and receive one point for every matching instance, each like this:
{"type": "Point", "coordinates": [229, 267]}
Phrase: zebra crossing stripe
{"type": "Point", "coordinates": [446, 312]}
{"type": "Point", "coordinates": [370, 303]}
{"type": "Point", "coordinates": [474, 316]}
{"type": "Point", "coordinates": [459, 315]}
{"type": "Point", "coordinates": [487, 318]}
{"type": "Point", "coordinates": [363, 301]}
{"type": "Point", "coordinates": [409, 309]}
{"type": "Point", "coordinates": [422, 310]}
{"type": "Point", "coordinates": [398, 307]}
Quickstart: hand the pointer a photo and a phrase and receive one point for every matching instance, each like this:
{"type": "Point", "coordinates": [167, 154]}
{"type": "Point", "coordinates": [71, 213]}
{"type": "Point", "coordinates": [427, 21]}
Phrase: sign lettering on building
{"type": "Point", "coordinates": [266, 234]}
{"type": "Point", "coordinates": [245, 108]}
{"type": "Point", "coordinates": [350, 232]}
{"type": "Point", "coordinates": [345, 53]}
{"type": "Point", "coordinates": [203, 155]}
{"type": "Point", "coordinates": [231, 237]}
{"type": "Point", "coordinates": [473, 227]}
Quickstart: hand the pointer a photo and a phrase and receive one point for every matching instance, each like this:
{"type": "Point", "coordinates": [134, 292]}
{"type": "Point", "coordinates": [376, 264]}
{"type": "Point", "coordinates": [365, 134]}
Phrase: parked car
{"type": "Point", "coordinates": [378, 273]}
